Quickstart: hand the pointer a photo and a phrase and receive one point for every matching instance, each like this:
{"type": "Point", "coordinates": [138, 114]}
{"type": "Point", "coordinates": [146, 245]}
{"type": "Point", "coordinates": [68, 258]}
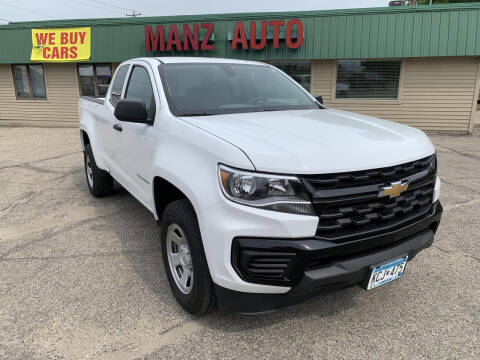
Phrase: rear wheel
{"type": "Point", "coordinates": [184, 259]}
{"type": "Point", "coordinates": [99, 182]}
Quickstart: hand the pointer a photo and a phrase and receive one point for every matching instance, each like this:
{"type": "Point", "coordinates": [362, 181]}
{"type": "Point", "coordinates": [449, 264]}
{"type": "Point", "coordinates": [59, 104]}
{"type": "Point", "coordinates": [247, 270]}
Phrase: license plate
{"type": "Point", "coordinates": [387, 272]}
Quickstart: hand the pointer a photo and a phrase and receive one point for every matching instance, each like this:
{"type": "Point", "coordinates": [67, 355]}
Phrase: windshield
{"type": "Point", "coordinates": [196, 89]}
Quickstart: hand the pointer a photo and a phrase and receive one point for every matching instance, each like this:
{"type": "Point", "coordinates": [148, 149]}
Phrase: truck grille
{"type": "Point", "coordinates": [367, 177]}
{"type": "Point", "coordinates": [348, 205]}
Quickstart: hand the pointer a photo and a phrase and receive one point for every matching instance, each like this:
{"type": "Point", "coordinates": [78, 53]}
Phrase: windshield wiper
{"type": "Point", "coordinates": [195, 114]}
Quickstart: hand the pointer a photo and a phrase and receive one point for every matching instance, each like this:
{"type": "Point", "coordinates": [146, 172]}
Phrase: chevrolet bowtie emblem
{"type": "Point", "coordinates": [394, 190]}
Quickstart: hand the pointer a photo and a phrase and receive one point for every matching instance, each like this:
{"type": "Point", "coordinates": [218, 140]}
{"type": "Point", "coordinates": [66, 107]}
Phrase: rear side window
{"type": "Point", "coordinates": [117, 85]}
{"type": "Point", "coordinates": [140, 88]}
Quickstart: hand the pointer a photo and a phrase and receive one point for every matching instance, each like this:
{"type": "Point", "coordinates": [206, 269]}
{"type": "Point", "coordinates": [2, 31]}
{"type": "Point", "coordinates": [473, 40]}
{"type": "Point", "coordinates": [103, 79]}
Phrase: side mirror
{"type": "Point", "coordinates": [131, 111]}
{"type": "Point", "coordinates": [319, 98]}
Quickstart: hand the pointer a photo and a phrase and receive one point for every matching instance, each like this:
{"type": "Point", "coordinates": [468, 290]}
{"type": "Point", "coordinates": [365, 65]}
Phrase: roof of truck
{"type": "Point", "coordinates": [197, 59]}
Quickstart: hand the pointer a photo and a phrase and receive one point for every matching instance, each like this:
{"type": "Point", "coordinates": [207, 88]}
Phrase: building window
{"type": "Point", "coordinates": [94, 79]}
{"type": "Point", "coordinates": [358, 79]}
{"type": "Point", "coordinates": [29, 81]}
{"type": "Point", "coordinates": [300, 71]}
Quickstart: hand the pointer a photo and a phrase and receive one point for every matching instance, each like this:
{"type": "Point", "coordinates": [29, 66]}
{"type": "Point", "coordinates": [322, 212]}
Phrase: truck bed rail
{"type": "Point", "coordinates": [98, 100]}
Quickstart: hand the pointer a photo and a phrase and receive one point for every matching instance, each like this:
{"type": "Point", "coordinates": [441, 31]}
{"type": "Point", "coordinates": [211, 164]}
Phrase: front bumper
{"type": "Point", "coordinates": [315, 266]}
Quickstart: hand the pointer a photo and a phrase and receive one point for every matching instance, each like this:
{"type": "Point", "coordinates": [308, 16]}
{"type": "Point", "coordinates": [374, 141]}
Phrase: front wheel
{"type": "Point", "coordinates": [184, 259]}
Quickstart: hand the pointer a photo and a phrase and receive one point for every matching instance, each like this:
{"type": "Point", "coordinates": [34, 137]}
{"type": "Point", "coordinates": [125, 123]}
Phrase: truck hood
{"type": "Point", "coordinates": [317, 141]}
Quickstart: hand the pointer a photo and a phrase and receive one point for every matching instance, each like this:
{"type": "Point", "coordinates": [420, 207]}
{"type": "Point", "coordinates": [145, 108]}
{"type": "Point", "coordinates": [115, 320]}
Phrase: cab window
{"type": "Point", "coordinates": [140, 88]}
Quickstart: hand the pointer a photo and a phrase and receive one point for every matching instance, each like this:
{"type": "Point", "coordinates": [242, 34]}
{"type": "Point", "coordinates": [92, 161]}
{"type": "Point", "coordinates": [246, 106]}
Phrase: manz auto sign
{"type": "Point", "coordinates": [186, 37]}
{"type": "Point", "coordinates": [191, 40]}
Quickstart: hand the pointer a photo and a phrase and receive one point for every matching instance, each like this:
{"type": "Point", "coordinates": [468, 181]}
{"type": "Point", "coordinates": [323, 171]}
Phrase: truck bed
{"type": "Point", "coordinates": [98, 100]}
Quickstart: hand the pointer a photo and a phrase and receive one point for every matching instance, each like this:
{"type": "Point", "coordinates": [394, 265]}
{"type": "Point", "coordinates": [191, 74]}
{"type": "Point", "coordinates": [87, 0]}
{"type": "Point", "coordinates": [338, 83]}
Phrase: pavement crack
{"type": "Point", "coordinates": [78, 256]}
{"type": "Point", "coordinates": [461, 153]}
{"type": "Point", "coordinates": [449, 207]}
{"type": "Point", "coordinates": [456, 252]}
{"type": "Point", "coordinates": [461, 186]}
{"type": "Point", "coordinates": [175, 334]}
{"type": "Point", "coordinates": [30, 163]}
{"type": "Point", "coordinates": [43, 170]}
{"type": "Point", "coordinates": [52, 231]}
{"type": "Point", "coordinates": [173, 327]}
{"type": "Point", "coordinates": [23, 200]}
{"type": "Point", "coordinates": [47, 234]}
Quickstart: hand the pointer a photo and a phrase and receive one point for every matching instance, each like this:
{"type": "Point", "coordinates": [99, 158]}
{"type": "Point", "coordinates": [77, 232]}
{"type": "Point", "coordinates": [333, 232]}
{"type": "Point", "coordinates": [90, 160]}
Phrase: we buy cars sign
{"type": "Point", "coordinates": [61, 45]}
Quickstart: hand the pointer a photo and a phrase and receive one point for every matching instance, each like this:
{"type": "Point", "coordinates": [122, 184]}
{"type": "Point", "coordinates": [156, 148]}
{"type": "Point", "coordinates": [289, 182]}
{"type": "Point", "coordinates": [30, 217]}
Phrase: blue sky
{"type": "Point", "coordinates": [71, 9]}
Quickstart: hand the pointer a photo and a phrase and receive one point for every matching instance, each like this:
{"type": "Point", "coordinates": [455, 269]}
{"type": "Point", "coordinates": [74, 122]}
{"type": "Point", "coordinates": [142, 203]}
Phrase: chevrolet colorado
{"type": "Point", "coordinates": [264, 196]}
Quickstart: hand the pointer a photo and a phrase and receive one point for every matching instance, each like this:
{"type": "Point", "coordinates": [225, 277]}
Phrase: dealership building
{"type": "Point", "coordinates": [417, 65]}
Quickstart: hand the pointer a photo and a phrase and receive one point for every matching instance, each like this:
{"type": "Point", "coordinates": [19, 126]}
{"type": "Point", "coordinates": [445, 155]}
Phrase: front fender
{"type": "Point", "coordinates": [188, 158]}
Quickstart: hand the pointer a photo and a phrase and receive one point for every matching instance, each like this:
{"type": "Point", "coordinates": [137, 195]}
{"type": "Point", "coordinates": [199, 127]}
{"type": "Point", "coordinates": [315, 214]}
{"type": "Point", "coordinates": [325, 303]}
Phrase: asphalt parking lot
{"type": "Point", "coordinates": [83, 278]}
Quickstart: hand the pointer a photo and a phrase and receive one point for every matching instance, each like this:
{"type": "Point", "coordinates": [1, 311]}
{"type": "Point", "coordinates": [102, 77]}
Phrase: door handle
{"type": "Point", "coordinates": [117, 127]}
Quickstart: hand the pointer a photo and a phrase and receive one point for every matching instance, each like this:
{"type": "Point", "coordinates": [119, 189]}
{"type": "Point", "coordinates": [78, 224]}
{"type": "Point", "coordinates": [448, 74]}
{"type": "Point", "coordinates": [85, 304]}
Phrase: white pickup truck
{"type": "Point", "coordinates": [264, 196]}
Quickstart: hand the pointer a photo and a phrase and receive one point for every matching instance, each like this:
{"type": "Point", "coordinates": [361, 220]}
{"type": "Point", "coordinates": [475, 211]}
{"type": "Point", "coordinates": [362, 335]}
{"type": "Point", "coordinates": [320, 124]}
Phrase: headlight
{"type": "Point", "coordinates": [266, 191]}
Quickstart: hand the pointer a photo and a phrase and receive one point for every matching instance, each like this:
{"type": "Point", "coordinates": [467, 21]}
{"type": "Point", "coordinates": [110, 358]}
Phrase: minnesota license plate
{"type": "Point", "coordinates": [387, 272]}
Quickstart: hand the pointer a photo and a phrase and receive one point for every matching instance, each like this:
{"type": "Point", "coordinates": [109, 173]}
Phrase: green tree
{"type": "Point", "coordinates": [426, 2]}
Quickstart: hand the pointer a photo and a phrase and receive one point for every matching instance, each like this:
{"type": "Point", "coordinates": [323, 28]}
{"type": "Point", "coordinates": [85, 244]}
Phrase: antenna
{"type": "Point", "coordinates": [134, 14]}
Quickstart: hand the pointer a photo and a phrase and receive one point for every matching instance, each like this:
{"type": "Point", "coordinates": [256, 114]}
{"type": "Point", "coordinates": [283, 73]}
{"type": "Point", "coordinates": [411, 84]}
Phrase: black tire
{"type": "Point", "coordinates": [201, 298]}
{"type": "Point", "coordinates": [100, 183]}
